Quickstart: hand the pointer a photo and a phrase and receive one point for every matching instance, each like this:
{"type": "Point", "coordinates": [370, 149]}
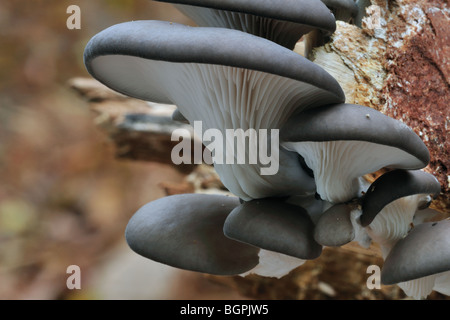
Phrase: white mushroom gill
{"type": "Point", "coordinates": [314, 207]}
{"type": "Point", "coordinates": [442, 283]}
{"type": "Point", "coordinates": [422, 287]}
{"type": "Point", "coordinates": [394, 222]}
{"type": "Point", "coordinates": [281, 32]}
{"type": "Point", "coordinates": [338, 165]}
{"type": "Point", "coordinates": [274, 264]}
{"type": "Point", "coordinates": [418, 288]}
{"type": "Point", "coordinates": [227, 98]}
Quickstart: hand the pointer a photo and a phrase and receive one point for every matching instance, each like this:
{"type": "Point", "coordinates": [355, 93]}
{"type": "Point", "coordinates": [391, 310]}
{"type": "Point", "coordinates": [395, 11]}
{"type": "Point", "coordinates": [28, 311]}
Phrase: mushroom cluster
{"type": "Point", "coordinates": [237, 70]}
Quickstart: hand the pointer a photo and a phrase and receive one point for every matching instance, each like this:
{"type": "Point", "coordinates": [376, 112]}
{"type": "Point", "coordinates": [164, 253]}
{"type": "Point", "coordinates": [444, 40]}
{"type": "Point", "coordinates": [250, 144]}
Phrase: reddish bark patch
{"type": "Point", "coordinates": [418, 89]}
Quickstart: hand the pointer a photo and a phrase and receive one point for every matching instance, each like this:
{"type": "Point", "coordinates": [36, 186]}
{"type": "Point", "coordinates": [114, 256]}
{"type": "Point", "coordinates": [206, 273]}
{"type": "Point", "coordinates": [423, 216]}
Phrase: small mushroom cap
{"type": "Point", "coordinates": [308, 12]}
{"type": "Point", "coordinates": [394, 185]}
{"type": "Point", "coordinates": [185, 231]}
{"type": "Point", "coordinates": [274, 225]}
{"type": "Point", "coordinates": [424, 251]}
{"type": "Point", "coordinates": [115, 56]}
{"type": "Point", "coordinates": [334, 227]}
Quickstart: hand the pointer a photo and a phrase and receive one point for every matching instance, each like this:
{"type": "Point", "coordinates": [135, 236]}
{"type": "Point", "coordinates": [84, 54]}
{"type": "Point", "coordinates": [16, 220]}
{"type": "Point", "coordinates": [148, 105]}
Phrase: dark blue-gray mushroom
{"type": "Point", "coordinates": [335, 227]}
{"type": "Point", "coordinates": [227, 79]}
{"type": "Point", "coordinates": [274, 225]}
{"type": "Point", "coordinates": [420, 262]}
{"type": "Point", "coordinates": [343, 142]}
{"type": "Point", "coordinates": [391, 203]}
{"type": "Point", "coordinates": [281, 21]}
{"type": "Point", "coordinates": [185, 231]}
{"type": "Point", "coordinates": [397, 184]}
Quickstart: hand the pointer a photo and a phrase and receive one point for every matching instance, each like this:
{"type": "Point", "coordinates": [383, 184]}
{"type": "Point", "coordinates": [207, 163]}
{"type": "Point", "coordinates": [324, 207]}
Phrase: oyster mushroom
{"type": "Point", "coordinates": [420, 262]}
{"type": "Point", "coordinates": [392, 206]}
{"type": "Point", "coordinates": [185, 231]}
{"type": "Point", "coordinates": [335, 227]}
{"type": "Point", "coordinates": [397, 184]}
{"type": "Point", "coordinates": [274, 225]}
{"type": "Point", "coordinates": [392, 201]}
{"type": "Point", "coordinates": [281, 21]}
{"type": "Point", "coordinates": [341, 143]}
{"type": "Point", "coordinates": [214, 76]}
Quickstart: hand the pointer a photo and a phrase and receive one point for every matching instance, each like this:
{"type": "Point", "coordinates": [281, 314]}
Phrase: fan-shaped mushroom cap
{"type": "Point", "coordinates": [213, 75]}
{"type": "Point", "coordinates": [274, 225]}
{"type": "Point", "coordinates": [394, 185]}
{"type": "Point", "coordinates": [343, 142]}
{"type": "Point", "coordinates": [185, 231]}
{"type": "Point", "coordinates": [282, 21]}
{"type": "Point", "coordinates": [424, 251]}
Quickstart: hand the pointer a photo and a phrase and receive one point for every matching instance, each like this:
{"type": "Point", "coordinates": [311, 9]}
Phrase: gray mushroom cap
{"type": "Point", "coordinates": [274, 225]}
{"type": "Point", "coordinates": [394, 185]}
{"type": "Point", "coordinates": [281, 21]}
{"type": "Point", "coordinates": [116, 55]}
{"type": "Point", "coordinates": [334, 227]}
{"type": "Point", "coordinates": [424, 251]}
{"type": "Point", "coordinates": [344, 141]}
{"type": "Point", "coordinates": [185, 231]}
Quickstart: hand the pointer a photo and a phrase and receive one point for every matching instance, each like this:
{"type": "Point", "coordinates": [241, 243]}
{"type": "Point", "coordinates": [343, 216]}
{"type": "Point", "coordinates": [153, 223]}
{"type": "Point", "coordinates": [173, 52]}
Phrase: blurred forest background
{"type": "Point", "coordinates": [64, 198]}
